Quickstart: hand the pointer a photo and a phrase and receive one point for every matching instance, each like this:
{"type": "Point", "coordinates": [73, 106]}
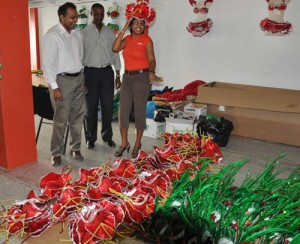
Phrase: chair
{"type": "Point", "coordinates": [43, 108]}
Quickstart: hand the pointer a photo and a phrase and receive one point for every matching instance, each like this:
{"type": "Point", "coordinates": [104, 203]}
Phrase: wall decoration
{"type": "Point", "coordinates": [274, 24]}
{"type": "Point", "coordinates": [113, 14]}
{"type": "Point", "coordinates": [83, 19]}
{"type": "Point", "coordinates": [200, 25]}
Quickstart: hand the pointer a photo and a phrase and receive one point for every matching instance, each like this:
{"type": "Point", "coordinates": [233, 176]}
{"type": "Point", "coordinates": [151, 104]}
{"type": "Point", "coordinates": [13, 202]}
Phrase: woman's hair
{"type": "Point", "coordinates": [131, 23]}
{"type": "Point", "coordinates": [62, 10]}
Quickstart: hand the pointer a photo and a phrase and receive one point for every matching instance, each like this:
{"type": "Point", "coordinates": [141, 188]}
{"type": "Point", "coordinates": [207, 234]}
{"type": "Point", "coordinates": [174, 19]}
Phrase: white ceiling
{"type": "Point", "coordinates": [49, 3]}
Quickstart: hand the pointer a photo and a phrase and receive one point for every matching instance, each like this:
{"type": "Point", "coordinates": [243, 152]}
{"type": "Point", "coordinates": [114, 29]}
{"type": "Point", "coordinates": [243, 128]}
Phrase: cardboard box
{"type": "Point", "coordinates": [195, 109]}
{"type": "Point", "coordinates": [179, 125]}
{"type": "Point", "coordinates": [154, 129]}
{"type": "Point", "coordinates": [264, 113]}
{"type": "Point", "coordinates": [246, 96]}
{"type": "Point", "coordinates": [176, 105]}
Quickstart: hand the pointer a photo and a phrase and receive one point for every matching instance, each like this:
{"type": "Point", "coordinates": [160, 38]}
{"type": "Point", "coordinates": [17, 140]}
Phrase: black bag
{"type": "Point", "coordinates": [217, 127]}
{"type": "Point", "coordinates": [162, 112]}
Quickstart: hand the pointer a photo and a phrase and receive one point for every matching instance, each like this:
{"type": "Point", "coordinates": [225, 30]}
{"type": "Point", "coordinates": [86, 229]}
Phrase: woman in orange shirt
{"type": "Point", "coordinates": [139, 59]}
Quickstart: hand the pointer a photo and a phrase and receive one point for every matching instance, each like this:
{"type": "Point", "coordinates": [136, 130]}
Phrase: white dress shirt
{"type": "Point", "coordinates": [97, 47]}
{"type": "Point", "coordinates": [62, 53]}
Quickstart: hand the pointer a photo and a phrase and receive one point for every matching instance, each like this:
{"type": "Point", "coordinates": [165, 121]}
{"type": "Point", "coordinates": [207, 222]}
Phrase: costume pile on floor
{"type": "Point", "coordinates": [172, 195]}
{"type": "Point", "coordinates": [105, 198]}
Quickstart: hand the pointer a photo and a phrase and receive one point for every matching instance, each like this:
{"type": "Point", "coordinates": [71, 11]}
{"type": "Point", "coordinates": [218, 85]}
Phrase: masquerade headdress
{"type": "Point", "coordinates": [140, 10]}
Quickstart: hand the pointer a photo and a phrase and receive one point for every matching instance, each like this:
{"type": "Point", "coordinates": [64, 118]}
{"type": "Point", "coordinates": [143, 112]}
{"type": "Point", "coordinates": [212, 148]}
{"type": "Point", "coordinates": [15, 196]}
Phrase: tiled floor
{"type": "Point", "coordinates": [16, 183]}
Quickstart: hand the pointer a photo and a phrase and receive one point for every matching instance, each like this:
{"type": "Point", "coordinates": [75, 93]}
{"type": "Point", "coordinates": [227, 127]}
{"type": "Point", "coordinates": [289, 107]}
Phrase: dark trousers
{"type": "Point", "coordinates": [100, 89]}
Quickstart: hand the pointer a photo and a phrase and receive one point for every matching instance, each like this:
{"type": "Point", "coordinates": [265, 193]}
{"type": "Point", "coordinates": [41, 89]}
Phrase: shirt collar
{"type": "Point", "coordinates": [62, 29]}
{"type": "Point", "coordinates": [95, 27]}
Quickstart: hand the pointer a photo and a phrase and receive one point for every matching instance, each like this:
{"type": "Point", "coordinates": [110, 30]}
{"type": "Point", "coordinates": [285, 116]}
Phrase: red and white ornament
{"type": "Point", "coordinates": [200, 25]}
{"type": "Point", "coordinates": [274, 24]}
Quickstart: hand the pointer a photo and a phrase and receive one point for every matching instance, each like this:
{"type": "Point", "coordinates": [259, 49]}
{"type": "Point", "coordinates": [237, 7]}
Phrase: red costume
{"type": "Point", "coordinates": [274, 27]}
{"type": "Point", "coordinates": [199, 29]}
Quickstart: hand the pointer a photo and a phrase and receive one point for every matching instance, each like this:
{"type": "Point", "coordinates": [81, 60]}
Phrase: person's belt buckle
{"type": "Point", "coordinates": [141, 71]}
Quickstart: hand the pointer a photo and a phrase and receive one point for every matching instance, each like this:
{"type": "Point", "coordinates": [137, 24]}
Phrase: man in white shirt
{"type": "Point", "coordinates": [62, 54]}
{"type": "Point", "coordinates": [98, 59]}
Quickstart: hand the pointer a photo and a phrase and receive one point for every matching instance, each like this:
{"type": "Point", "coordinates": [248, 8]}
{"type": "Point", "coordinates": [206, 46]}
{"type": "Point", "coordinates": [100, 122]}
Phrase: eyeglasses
{"type": "Point", "coordinates": [138, 23]}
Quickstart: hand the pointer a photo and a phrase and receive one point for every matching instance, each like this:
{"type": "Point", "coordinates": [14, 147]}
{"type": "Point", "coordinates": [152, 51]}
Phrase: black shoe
{"type": "Point", "coordinates": [111, 143]}
{"type": "Point", "coordinates": [56, 161]}
{"type": "Point", "coordinates": [76, 155]}
{"type": "Point", "coordinates": [90, 144]}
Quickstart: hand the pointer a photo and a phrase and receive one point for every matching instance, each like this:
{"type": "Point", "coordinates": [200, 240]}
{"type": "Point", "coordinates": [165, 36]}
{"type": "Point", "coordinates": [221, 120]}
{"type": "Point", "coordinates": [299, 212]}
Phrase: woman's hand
{"type": "Point", "coordinates": [154, 78]}
{"type": "Point", "coordinates": [119, 42]}
{"type": "Point", "coordinates": [126, 26]}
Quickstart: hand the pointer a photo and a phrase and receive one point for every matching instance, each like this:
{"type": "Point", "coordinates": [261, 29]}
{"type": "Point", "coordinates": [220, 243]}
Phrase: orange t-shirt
{"type": "Point", "coordinates": [134, 53]}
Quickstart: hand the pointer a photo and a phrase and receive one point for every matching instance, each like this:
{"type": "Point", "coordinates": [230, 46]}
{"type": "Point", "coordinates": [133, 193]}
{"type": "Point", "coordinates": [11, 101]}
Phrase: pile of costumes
{"type": "Point", "coordinates": [170, 95]}
{"type": "Point", "coordinates": [104, 198]}
{"type": "Point", "coordinates": [176, 194]}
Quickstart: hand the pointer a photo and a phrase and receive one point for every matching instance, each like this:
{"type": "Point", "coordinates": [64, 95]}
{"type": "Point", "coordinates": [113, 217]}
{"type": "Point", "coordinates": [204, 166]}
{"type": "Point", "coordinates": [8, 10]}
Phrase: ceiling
{"type": "Point", "coordinates": [49, 3]}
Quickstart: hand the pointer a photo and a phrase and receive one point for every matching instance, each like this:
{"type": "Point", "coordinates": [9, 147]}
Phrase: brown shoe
{"type": "Point", "coordinates": [135, 151]}
{"type": "Point", "coordinates": [56, 161]}
{"type": "Point", "coordinates": [76, 155]}
{"type": "Point", "coordinates": [121, 149]}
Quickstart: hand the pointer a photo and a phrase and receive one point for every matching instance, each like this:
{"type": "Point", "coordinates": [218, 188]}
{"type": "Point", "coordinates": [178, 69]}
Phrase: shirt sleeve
{"type": "Point", "coordinates": [50, 51]}
{"type": "Point", "coordinates": [83, 35]}
{"type": "Point", "coordinates": [117, 61]}
{"type": "Point", "coordinates": [116, 56]}
{"type": "Point", "coordinates": [80, 36]}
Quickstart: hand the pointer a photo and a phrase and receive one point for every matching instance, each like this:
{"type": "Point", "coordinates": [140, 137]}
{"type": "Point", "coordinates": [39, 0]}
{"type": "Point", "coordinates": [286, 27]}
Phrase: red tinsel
{"type": "Point", "coordinates": [103, 198]}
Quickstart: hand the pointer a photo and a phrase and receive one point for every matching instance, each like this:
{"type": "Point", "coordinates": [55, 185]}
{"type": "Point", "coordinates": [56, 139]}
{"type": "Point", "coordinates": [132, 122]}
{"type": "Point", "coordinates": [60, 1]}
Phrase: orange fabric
{"type": "Point", "coordinates": [134, 53]}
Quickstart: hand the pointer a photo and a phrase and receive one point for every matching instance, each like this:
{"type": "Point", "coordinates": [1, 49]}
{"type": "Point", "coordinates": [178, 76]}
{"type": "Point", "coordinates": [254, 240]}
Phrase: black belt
{"type": "Point", "coordinates": [70, 74]}
{"type": "Point", "coordinates": [106, 67]}
{"type": "Point", "coordinates": [134, 72]}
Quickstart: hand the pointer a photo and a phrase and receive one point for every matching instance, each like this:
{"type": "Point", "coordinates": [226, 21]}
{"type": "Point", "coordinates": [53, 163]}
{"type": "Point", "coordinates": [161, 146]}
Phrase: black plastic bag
{"type": "Point", "coordinates": [217, 127]}
{"type": "Point", "coordinates": [162, 112]}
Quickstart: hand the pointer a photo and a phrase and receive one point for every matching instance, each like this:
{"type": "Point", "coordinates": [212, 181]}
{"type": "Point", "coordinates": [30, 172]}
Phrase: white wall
{"type": "Point", "coordinates": [235, 50]}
